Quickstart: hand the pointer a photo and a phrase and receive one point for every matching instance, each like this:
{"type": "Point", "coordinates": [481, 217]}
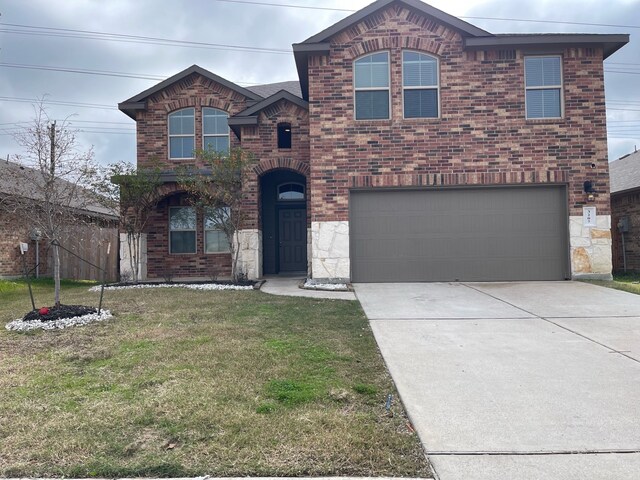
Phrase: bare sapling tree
{"type": "Point", "coordinates": [50, 181]}
{"type": "Point", "coordinates": [218, 191]}
{"type": "Point", "coordinates": [135, 191]}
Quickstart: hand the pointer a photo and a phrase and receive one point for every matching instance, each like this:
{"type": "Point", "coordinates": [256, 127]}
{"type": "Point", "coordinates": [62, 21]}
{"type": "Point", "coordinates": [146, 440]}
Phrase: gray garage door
{"type": "Point", "coordinates": [465, 234]}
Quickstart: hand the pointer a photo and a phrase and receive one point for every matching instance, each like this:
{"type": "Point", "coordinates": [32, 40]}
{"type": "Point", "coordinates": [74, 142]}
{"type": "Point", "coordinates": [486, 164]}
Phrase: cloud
{"type": "Point", "coordinates": [232, 24]}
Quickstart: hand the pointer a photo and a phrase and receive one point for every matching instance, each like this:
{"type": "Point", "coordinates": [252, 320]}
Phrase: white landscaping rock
{"type": "Point", "coordinates": [325, 286]}
{"type": "Point", "coordinates": [23, 326]}
{"type": "Point", "coordinates": [190, 286]}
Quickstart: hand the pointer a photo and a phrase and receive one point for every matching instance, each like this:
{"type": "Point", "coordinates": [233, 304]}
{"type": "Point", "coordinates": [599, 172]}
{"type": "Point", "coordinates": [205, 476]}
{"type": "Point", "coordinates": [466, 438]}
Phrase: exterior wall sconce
{"type": "Point", "coordinates": [589, 190]}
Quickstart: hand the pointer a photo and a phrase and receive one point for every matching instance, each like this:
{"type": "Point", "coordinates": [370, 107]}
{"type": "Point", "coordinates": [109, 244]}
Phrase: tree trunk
{"type": "Point", "coordinates": [56, 273]}
{"type": "Point", "coordinates": [235, 254]}
{"type": "Point", "coordinates": [133, 244]}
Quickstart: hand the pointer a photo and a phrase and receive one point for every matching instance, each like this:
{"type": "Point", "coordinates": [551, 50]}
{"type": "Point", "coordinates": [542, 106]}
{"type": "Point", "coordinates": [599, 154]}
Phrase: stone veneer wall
{"type": "Point", "coordinates": [250, 254]}
{"type": "Point", "coordinates": [330, 251]}
{"type": "Point", "coordinates": [125, 264]}
{"type": "Point", "coordinates": [590, 248]}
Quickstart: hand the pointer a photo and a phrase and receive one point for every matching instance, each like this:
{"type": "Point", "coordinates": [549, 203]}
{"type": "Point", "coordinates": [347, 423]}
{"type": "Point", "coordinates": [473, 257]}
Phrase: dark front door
{"type": "Point", "coordinates": [292, 233]}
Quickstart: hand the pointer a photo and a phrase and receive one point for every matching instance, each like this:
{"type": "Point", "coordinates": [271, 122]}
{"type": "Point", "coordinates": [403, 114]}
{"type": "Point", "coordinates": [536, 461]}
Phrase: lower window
{"type": "Point", "coordinates": [182, 230]}
{"type": "Point", "coordinates": [215, 240]}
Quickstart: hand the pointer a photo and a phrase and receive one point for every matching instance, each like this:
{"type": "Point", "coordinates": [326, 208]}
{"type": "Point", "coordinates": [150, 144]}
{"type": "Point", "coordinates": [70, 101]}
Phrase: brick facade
{"type": "Point", "coordinates": [626, 205]}
{"type": "Point", "coordinates": [12, 232]}
{"type": "Point", "coordinates": [482, 136]}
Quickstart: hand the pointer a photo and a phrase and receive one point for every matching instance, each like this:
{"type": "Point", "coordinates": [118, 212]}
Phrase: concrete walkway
{"type": "Point", "coordinates": [515, 381]}
{"type": "Point", "coordinates": [290, 287]}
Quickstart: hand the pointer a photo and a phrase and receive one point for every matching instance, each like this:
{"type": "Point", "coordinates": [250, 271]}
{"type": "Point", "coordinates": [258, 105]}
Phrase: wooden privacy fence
{"type": "Point", "coordinates": [90, 243]}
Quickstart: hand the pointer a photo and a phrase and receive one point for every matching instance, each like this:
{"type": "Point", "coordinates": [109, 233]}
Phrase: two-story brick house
{"type": "Point", "coordinates": [415, 147]}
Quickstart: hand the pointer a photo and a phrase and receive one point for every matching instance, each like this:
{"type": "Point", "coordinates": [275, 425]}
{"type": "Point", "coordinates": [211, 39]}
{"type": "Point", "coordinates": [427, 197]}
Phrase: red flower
{"type": "Point", "coordinates": [43, 311]}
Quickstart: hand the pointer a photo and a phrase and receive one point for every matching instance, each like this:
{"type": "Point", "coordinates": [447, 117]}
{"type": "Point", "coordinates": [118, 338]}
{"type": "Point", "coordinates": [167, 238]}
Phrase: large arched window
{"type": "Point", "coordinates": [215, 130]}
{"type": "Point", "coordinates": [182, 133]}
{"type": "Point", "coordinates": [420, 85]}
{"type": "Point", "coordinates": [371, 84]}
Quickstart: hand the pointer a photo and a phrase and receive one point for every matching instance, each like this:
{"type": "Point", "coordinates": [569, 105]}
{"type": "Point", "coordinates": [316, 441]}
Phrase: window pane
{"type": "Point", "coordinates": [372, 105]}
{"type": "Point", "coordinates": [372, 71]}
{"type": "Point", "coordinates": [181, 122]}
{"type": "Point", "coordinates": [181, 147]}
{"type": "Point", "coordinates": [218, 144]}
{"type": "Point", "coordinates": [542, 71]}
{"type": "Point", "coordinates": [182, 218]}
{"type": "Point", "coordinates": [421, 103]}
{"type": "Point", "coordinates": [215, 121]}
{"type": "Point", "coordinates": [291, 191]}
{"type": "Point", "coordinates": [213, 217]}
{"type": "Point", "coordinates": [183, 242]}
{"type": "Point", "coordinates": [543, 103]}
{"type": "Point", "coordinates": [419, 70]}
{"type": "Point", "coordinates": [216, 241]}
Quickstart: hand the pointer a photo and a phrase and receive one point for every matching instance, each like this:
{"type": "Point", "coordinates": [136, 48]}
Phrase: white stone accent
{"type": "Point", "coordinates": [125, 264]}
{"type": "Point", "coordinates": [590, 248]}
{"type": "Point", "coordinates": [330, 251]}
{"type": "Point", "coordinates": [250, 253]}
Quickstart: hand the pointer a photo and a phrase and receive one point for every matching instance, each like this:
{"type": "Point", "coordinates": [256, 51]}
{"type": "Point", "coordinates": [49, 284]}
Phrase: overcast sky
{"type": "Point", "coordinates": [234, 23]}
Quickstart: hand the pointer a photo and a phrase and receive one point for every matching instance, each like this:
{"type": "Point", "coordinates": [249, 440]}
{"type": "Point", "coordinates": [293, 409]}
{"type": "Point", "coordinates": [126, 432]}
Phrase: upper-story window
{"type": "Point", "coordinates": [420, 85]}
{"type": "Point", "coordinates": [284, 135]}
{"type": "Point", "coordinates": [182, 133]}
{"type": "Point", "coordinates": [215, 130]}
{"type": "Point", "coordinates": [371, 82]}
{"type": "Point", "coordinates": [543, 85]}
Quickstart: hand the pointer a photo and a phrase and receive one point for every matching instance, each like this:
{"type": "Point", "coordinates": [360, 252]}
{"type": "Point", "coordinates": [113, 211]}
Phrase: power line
{"type": "Point", "coordinates": [96, 35]}
{"type": "Point", "coordinates": [83, 71]}
{"type": "Point", "coordinates": [289, 5]}
{"type": "Point", "coordinates": [54, 102]}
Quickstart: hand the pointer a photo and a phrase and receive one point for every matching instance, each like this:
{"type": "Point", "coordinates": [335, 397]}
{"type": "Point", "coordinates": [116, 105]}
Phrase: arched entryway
{"type": "Point", "coordinates": [284, 222]}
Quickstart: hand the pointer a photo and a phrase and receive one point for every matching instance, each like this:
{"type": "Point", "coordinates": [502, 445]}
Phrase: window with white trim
{"type": "Point", "coordinates": [215, 130]}
{"type": "Point", "coordinates": [371, 83]}
{"type": "Point", "coordinates": [543, 86]}
{"type": "Point", "coordinates": [215, 240]}
{"type": "Point", "coordinates": [182, 230]}
{"type": "Point", "coordinates": [182, 133]}
{"type": "Point", "coordinates": [420, 85]}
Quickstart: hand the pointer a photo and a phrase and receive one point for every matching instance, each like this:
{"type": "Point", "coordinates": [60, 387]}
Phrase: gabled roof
{"type": "Point", "coordinates": [466, 29]}
{"type": "Point", "coordinates": [624, 173]}
{"type": "Point", "coordinates": [18, 180]}
{"type": "Point", "coordinates": [138, 102]}
{"type": "Point", "coordinates": [474, 37]}
{"type": "Point", "coordinates": [269, 89]}
{"type": "Point", "coordinates": [250, 115]}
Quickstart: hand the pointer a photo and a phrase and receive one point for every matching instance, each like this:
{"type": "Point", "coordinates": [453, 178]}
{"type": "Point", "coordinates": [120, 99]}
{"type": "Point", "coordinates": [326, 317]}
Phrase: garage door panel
{"type": "Point", "coordinates": [470, 234]}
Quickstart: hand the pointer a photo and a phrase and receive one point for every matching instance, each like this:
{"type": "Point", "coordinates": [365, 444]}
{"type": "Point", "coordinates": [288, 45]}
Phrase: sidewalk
{"type": "Point", "coordinates": [289, 286]}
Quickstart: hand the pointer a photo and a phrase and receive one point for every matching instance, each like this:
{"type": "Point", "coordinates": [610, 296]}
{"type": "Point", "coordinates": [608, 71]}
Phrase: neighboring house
{"type": "Point", "coordinates": [415, 147]}
{"type": "Point", "coordinates": [625, 211]}
{"type": "Point", "coordinates": [86, 239]}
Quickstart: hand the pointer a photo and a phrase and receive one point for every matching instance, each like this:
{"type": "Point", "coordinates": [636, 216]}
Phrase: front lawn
{"type": "Point", "coordinates": [188, 383]}
{"type": "Point", "coordinates": [628, 282]}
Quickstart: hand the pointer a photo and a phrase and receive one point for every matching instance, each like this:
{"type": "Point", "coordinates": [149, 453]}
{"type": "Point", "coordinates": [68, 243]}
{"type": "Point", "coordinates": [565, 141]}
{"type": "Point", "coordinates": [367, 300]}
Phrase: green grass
{"type": "Point", "coordinates": [188, 383]}
{"type": "Point", "coordinates": [628, 282]}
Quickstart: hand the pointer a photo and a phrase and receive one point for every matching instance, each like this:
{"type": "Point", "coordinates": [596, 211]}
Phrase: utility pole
{"type": "Point", "coordinates": [52, 136]}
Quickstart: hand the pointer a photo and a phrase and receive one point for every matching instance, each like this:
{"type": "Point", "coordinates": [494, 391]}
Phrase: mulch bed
{"type": "Point", "coordinates": [56, 313]}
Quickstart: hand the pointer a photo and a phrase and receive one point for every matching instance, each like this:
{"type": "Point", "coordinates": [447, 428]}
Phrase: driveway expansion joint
{"type": "Point", "coordinates": [532, 453]}
{"type": "Point", "coordinates": [548, 319]}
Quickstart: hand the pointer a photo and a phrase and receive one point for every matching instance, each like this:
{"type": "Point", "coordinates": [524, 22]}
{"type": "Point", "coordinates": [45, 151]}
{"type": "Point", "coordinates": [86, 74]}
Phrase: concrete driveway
{"type": "Point", "coordinates": [515, 381]}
